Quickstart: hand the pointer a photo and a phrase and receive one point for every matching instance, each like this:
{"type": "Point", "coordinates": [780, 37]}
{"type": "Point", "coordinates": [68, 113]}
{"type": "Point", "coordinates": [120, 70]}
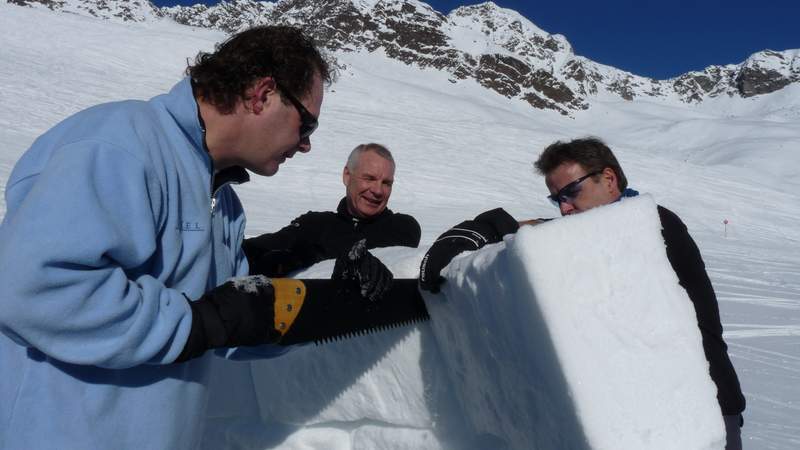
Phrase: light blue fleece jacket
{"type": "Point", "coordinates": [109, 224]}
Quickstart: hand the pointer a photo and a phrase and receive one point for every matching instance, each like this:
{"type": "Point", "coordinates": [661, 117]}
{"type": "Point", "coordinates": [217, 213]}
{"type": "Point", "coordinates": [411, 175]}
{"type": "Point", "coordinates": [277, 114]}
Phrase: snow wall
{"type": "Point", "coordinates": [572, 334]}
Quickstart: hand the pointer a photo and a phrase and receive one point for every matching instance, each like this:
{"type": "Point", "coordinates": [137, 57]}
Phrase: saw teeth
{"type": "Point", "coordinates": [339, 315]}
{"type": "Point", "coordinates": [371, 330]}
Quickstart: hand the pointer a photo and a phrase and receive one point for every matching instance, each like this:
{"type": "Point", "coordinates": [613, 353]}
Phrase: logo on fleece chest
{"type": "Point", "coordinates": [190, 225]}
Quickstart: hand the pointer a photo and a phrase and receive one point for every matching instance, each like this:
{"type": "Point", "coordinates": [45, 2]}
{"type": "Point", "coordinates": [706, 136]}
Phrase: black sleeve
{"type": "Point", "coordinates": [685, 258]}
{"type": "Point", "coordinates": [486, 228]}
{"type": "Point", "coordinates": [288, 249]}
{"type": "Point", "coordinates": [408, 230]}
{"type": "Point", "coordinates": [500, 221]}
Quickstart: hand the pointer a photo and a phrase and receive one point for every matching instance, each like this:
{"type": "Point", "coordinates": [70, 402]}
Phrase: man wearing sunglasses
{"type": "Point", "coordinates": [368, 178]}
{"type": "Point", "coordinates": [584, 174]}
{"type": "Point", "coordinates": [120, 242]}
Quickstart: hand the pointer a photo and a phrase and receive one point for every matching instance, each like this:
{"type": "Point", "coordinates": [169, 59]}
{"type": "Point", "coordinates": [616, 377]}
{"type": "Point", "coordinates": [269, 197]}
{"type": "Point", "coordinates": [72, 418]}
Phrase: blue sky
{"type": "Point", "coordinates": [659, 39]}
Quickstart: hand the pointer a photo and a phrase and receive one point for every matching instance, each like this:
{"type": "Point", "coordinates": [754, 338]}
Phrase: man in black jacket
{"type": "Point", "coordinates": [362, 214]}
{"type": "Point", "coordinates": [581, 175]}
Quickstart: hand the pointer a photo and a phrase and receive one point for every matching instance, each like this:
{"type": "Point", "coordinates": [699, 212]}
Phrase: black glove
{"type": "Point", "coordinates": [487, 228]}
{"type": "Point", "coordinates": [358, 266]}
{"type": "Point", "coordinates": [281, 262]}
{"type": "Point", "coordinates": [236, 313]}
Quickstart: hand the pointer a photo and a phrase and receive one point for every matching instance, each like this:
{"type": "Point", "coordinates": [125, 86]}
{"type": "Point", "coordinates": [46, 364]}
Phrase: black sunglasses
{"type": "Point", "coordinates": [568, 193]}
{"type": "Point", "coordinates": [308, 123]}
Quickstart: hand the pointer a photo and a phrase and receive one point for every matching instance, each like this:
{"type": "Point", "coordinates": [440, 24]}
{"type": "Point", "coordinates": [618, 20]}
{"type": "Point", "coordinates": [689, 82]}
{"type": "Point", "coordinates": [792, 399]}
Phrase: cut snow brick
{"type": "Point", "coordinates": [576, 334]}
{"type": "Point", "coordinates": [571, 334]}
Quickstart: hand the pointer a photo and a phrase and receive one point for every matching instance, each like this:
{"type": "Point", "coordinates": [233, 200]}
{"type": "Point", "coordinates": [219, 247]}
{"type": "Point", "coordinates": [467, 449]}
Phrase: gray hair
{"type": "Point", "coordinates": [355, 155]}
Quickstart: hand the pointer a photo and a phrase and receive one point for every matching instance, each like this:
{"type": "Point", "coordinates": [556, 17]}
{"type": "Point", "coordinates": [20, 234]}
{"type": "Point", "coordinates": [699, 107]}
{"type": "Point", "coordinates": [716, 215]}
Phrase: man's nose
{"type": "Point", "coordinates": [566, 208]}
{"type": "Point", "coordinates": [377, 189]}
{"type": "Point", "coordinates": [305, 145]}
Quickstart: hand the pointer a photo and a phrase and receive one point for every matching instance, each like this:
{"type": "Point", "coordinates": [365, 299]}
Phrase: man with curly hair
{"type": "Point", "coordinates": [120, 233]}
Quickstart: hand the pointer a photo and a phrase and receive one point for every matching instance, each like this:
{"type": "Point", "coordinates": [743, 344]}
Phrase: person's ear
{"type": "Point", "coordinates": [609, 178]}
{"type": "Point", "coordinates": [346, 176]}
{"type": "Point", "coordinates": [261, 93]}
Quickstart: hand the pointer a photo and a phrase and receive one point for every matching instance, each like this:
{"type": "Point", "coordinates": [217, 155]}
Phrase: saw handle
{"type": "Point", "coordinates": [289, 297]}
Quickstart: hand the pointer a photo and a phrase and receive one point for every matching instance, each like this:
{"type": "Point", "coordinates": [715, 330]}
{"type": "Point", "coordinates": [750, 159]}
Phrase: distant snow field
{"type": "Point", "coordinates": [461, 150]}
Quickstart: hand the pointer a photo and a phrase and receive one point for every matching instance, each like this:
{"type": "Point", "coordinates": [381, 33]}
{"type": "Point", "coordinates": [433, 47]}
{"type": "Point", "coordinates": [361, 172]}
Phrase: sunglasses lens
{"type": "Point", "coordinates": [307, 127]}
{"type": "Point", "coordinates": [567, 194]}
{"type": "Point", "coordinates": [308, 123]}
{"type": "Point", "coordinates": [570, 193]}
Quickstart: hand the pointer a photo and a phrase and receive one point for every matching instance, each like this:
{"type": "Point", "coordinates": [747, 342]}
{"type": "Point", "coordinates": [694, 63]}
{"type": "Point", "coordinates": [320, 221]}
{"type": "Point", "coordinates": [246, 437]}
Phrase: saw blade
{"type": "Point", "coordinates": [333, 311]}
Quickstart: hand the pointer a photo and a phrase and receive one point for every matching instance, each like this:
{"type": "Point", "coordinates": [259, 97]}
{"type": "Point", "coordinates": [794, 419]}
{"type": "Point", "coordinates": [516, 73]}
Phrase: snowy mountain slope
{"type": "Point", "coordinates": [114, 10]}
{"type": "Point", "coordinates": [462, 149]}
{"type": "Point", "coordinates": [497, 47]}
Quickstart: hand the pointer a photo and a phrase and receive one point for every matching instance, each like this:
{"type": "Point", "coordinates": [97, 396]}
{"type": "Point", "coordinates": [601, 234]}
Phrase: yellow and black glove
{"type": "Point", "coordinates": [243, 311]}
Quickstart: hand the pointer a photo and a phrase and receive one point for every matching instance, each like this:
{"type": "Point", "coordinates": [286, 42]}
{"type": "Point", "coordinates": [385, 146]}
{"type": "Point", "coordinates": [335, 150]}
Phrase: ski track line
{"type": "Point", "coordinates": [753, 349]}
{"type": "Point", "coordinates": [772, 401]}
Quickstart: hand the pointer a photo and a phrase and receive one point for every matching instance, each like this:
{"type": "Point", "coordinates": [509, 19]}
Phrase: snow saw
{"type": "Point", "coordinates": [323, 310]}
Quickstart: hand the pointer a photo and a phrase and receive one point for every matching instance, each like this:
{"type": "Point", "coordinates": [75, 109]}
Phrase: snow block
{"type": "Point", "coordinates": [573, 334]}
{"type": "Point", "coordinates": [375, 387]}
{"type": "Point", "coordinates": [576, 334]}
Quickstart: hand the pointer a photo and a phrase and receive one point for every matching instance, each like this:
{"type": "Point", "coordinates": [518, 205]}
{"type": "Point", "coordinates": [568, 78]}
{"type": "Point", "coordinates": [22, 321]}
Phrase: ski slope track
{"type": "Point", "coordinates": [462, 149]}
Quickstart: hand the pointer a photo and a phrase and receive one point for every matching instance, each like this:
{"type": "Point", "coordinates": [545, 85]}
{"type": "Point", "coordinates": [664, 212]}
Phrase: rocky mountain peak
{"type": "Point", "coordinates": [762, 73]}
{"type": "Point", "coordinates": [493, 19]}
{"type": "Point", "coordinates": [497, 47]}
{"type": "Point", "coordinates": [512, 32]}
{"type": "Point", "coordinates": [116, 10]}
{"type": "Point", "coordinates": [768, 71]}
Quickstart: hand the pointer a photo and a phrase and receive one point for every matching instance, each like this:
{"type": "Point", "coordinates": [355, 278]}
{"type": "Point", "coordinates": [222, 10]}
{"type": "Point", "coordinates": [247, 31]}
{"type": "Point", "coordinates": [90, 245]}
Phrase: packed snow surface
{"type": "Point", "coordinates": [537, 356]}
{"type": "Point", "coordinates": [622, 329]}
{"type": "Point", "coordinates": [533, 343]}
{"type": "Point", "coordinates": [460, 150]}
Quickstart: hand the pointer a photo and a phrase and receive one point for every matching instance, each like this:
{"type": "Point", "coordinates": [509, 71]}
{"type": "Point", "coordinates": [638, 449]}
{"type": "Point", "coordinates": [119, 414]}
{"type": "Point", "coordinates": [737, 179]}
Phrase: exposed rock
{"type": "Point", "coordinates": [623, 87]}
{"type": "Point", "coordinates": [118, 10]}
{"type": "Point", "coordinates": [753, 81]}
{"type": "Point", "coordinates": [541, 103]}
{"type": "Point", "coordinates": [51, 4]}
{"type": "Point", "coordinates": [551, 87]}
{"type": "Point", "coordinates": [767, 72]}
{"type": "Point", "coordinates": [535, 66]}
{"type": "Point", "coordinates": [508, 54]}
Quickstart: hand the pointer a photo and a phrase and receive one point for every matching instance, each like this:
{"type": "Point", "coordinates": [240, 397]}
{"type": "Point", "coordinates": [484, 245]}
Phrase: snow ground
{"type": "Point", "coordinates": [462, 150]}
